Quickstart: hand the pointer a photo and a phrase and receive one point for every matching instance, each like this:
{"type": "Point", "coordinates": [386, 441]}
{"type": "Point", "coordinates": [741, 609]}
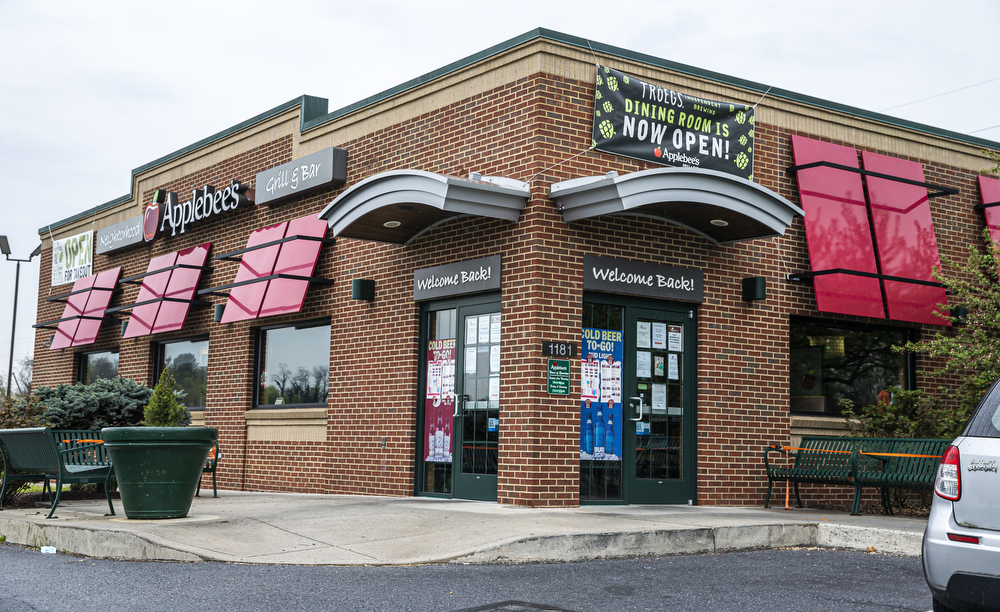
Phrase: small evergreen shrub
{"type": "Point", "coordinates": [106, 402]}
{"type": "Point", "coordinates": [163, 409]}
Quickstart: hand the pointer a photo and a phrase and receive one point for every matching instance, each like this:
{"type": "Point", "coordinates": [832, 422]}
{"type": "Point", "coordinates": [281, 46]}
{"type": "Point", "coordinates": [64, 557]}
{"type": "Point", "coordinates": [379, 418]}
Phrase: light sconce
{"type": "Point", "coordinates": [219, 309]}
{"type": "Point", "coordinates": [363, 289]}
{"type": "Point", "coordinates": [959, 315]}
{"type": "Point", "coordinates": [754, 288]}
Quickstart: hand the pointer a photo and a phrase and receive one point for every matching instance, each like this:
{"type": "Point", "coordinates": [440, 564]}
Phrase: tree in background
{"type": "Point", "coordinates": [22, 375]}
{"type": "Point", "coordinates": [970, 351]}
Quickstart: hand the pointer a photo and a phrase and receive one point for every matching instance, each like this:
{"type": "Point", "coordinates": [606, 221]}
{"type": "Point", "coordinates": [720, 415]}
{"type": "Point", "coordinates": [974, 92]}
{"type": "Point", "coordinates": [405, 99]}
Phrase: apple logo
{"type": "Point", "coordinates": [151, 217]}
{"type": "Point", "coordinates": [657, 152]}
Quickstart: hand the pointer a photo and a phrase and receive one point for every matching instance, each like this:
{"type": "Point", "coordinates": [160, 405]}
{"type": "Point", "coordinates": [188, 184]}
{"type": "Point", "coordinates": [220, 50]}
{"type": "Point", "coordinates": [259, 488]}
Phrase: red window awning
{"type": "Point", "coordinates": [275, 270]}
{"type": "Point", "coordinates": [871, 253]}
{"type": "Point", "coordinates": [167, 292]}
{"type": "Point", "coordinates": [84, 311]}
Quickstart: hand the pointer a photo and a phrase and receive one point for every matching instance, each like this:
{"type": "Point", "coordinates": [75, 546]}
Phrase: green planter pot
{"type": "Point", "coordinates": [158, 468]}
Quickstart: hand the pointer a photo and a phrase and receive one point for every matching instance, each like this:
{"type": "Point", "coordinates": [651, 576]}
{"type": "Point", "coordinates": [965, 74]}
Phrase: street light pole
{"type": "Point", "coordinates": [5, 249]}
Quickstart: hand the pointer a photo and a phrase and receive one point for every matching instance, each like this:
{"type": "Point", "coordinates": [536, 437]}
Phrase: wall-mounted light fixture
{"type": "Point", "coordinates": [754, 288]}
{"type": "Point", "coordinates": [124, 327]}
{"type": "Point", "coordinates": [959, 315]}
{"type": "Point", "coordinates": [219, 309]}
{"type": "Point", "coordinates": [363, 289]}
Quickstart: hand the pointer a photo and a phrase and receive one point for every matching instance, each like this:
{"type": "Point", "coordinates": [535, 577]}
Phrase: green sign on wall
{"type": "Point", "coordinates": [558, 376]}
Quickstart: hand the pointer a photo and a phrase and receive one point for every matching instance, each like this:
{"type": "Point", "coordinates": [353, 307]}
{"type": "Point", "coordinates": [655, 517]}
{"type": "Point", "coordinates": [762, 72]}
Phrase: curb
{"type": "Point", "coordinates": [114, 544]}
{"type": "Point", "coordinates": [102, 544]}
{"type": "Point", "coordinates": [585, 547]}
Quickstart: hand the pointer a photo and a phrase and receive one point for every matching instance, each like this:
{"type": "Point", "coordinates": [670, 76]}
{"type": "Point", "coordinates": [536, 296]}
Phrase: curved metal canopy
{"type": "Point", "coordinates": [400, 205]}
{"type": "Point", "coordinates": [721, 207]}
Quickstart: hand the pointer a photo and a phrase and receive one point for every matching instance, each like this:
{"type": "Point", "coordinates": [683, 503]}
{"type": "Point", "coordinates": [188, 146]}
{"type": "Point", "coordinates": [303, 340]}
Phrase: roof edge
{"type": "Point", "coordinates": [312, 107]}
{"type": "Point", "coordinates": [584, 43]}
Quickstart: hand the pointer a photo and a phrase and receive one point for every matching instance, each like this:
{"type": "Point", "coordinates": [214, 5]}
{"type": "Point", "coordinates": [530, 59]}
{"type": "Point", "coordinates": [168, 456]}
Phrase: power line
{"type": "Point", "coordinates": [942, 94]}
{"type": "Point", "coordinates": [984, 129]}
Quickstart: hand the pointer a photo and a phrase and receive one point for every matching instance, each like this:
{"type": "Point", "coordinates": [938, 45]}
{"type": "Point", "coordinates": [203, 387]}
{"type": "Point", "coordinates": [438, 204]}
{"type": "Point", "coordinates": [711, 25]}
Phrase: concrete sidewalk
{"type": "Point", "coordinates": [275, 528]}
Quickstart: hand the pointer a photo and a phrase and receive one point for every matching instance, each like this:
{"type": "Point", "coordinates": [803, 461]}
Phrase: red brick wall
{"type": "Point", "coordinates": [536, 129]}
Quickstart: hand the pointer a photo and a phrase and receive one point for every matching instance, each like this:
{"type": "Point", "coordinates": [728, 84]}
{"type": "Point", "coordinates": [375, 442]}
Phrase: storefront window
{"type": "Point", "coordinates": [293, 365]}
{"type": "Point", "coordinates": [833, 361]}
{"type": "Point", "coordinates": [98, 365]}
{"type": "Point", "coordinates": [187, 362]}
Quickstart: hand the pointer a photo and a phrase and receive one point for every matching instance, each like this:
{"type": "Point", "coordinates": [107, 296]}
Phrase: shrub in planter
{"type": "Point", "coordinates": [163, 409]}
{"type": "Point", "coordinates": [159, 466]}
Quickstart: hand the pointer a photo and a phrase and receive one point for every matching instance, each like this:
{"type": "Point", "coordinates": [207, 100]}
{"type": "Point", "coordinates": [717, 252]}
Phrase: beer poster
{"type": "Point", "coordinates": [601, 395]}
{"type": "Point", "coordinates": [439, 403]}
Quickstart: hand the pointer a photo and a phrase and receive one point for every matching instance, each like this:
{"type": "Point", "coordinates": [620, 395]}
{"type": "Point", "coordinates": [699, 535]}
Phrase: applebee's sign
{"type": "Point", "coordinates": [166, 212]}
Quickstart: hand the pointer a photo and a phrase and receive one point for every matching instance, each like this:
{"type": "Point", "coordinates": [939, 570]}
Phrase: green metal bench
{"type": "Point", "coordinates": [72, 439]}
{"type": "Point", "coordinates": [886, 463]}
{"type": "Point", "coordinates": [211, 466]}
{"type": "Point", "coordinates": [818, 460]}
{"type": "Point", "coordinates": [38, 454]}
{"type": "Point", "coordinates": [902, 463]}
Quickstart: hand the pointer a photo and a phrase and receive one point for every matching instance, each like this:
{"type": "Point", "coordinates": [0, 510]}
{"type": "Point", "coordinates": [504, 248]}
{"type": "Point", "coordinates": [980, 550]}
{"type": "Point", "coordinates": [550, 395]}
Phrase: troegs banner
{"type": "Point", "coordinates": [652, 123]}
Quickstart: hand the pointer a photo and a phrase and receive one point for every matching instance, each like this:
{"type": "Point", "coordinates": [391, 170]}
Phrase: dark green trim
{"type": "Point", "coordinates": [312, 107]}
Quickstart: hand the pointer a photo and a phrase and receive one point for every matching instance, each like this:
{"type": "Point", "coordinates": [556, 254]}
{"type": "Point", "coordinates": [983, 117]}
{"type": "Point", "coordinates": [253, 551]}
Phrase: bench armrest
{"type": "Point", "coordinates": [774, 448]}
{"type": "Point", "coordinates": [856, 461]}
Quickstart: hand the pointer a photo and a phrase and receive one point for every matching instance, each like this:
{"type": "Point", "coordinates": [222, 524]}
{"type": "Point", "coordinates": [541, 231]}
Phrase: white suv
{"type": "Point", "coordinates": [961, 549]}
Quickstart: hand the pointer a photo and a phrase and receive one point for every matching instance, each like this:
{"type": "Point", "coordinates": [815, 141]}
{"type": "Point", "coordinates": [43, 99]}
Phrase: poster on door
{"type": "Point", "coordinates": [601, 395]}
{"type": "Point", "coordinates": [439, 402]}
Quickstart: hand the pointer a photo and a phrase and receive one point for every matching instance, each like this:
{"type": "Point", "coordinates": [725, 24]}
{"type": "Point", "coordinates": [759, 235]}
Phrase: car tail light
{"type": "Point", "coordinates": [949, 477]}
{"type": "Point", "coordinates": [955, 537]}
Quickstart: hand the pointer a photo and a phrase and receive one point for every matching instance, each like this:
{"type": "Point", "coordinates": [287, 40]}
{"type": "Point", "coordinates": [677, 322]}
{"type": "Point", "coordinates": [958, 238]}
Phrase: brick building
{"type": "Point", "coordinates": [501, 305]}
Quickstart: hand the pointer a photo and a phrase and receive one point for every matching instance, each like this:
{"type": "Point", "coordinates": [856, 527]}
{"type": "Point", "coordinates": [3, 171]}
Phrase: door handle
{"type": "Point", "coordinates": [638, 418]}
{"type": "Point", "coordinates": [454, 400]}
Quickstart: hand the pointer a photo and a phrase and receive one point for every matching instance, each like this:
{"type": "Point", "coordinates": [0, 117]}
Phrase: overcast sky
{"type": "Point", "coordinates": [91, 90]}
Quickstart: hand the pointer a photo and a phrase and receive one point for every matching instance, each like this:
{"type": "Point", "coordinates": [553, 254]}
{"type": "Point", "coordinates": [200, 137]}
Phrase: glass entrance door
{"type": "Point", "coordinates": [478, 416]}
{"type": "Point", "coordinates": [461, 417]}
{"type": "Point", "coordinates": [660, 398]}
